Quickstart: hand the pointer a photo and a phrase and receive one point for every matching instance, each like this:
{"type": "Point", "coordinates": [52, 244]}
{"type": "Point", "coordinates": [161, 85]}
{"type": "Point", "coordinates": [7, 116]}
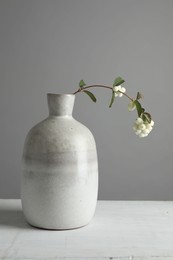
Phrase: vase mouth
{"type": "Point", "coordinates": [59, 94]}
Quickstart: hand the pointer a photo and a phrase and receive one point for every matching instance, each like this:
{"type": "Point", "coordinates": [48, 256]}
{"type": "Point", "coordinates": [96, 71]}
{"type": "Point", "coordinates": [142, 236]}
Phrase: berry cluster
{"type": "Point", "coordinates": [118, 91]}
{"type": "Point", "coordinates": [142, 128]}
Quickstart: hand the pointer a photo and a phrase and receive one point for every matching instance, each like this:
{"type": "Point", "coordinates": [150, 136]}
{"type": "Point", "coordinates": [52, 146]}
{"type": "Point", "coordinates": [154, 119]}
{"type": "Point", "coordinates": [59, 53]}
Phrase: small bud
{"type": "Point", "coordinates": [131, 106]}
{"type": "Point", "coordinates": [139, 96]}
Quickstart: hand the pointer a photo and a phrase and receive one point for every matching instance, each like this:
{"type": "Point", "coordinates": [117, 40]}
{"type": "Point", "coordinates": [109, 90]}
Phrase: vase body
{"type": "Point", "coordinates": [59, 182]}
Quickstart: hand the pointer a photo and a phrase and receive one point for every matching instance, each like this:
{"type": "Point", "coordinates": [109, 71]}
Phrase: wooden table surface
{"type": "Point", "coordinates": [121, 230]}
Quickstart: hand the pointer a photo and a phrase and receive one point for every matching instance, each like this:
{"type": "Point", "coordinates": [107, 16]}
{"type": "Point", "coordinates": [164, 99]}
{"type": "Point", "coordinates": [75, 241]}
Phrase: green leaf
{"type": "Point", "coordinates": [91, 95]}
{"type": "Point", "coordinates": [139, 107]}
{"type": "Point", "coordinates": [118, 81]}
{"type": "Point", "coordinates": [112, 99]}
{"type": "Point", "coordinates": [139, 96]}
{"type": "Point", "coordinates": [82, 84]}
{"type": "Point", "coordinates": [146, 117]}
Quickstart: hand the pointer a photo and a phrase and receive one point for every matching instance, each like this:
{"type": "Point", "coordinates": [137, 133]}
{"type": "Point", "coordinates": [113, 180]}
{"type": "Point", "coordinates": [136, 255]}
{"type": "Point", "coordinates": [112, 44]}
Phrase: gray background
{"type": "Point", "coordinates": [48, 46]}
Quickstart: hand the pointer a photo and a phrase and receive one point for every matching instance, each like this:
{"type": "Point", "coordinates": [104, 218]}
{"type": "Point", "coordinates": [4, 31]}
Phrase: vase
{"type": "Point", "coordinates": [59, 180]}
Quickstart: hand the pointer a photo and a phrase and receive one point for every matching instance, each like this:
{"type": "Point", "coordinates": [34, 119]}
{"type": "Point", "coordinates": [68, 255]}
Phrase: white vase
{"type": "Point", "coordinates": [59, 182]}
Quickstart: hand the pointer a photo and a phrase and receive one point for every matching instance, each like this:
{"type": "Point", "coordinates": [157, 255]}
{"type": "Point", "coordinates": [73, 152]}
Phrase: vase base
{"type": "Point", "coordinates": [57, 229]}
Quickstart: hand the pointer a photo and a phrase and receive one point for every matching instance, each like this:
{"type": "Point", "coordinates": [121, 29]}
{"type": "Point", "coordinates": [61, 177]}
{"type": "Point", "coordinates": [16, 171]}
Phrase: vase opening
{"type": "Point", "coordinates": [60, 104]}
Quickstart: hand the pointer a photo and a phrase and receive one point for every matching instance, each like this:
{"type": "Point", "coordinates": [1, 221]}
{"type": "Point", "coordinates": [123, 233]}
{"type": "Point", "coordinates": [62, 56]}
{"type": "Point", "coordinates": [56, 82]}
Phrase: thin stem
{"type": "Point", "coordinates": [127, 96]}
{"type": "Point", "coordinates": [91, 86]}
{"type": "Point", "coordinates": [100, 86]}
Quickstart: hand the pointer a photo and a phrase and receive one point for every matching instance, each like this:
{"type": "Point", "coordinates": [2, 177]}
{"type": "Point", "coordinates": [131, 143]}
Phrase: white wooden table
{"type": "Point", "coordinates": [125, 230]}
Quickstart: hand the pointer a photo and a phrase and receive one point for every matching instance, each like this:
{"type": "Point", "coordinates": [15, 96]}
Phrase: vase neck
{"type": "Point", "coordinates": [60, 104]}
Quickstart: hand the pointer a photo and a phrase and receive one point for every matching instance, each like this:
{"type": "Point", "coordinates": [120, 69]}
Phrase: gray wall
{"type": "Point", "coordinates": [48, 46]}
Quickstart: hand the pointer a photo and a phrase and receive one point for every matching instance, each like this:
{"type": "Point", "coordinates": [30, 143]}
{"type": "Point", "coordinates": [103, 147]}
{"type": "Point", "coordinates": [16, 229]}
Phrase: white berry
{"type": "Point", "coordinates": [139, 121]}
{"type": "Point", "coordinates": [123, 90]}
{"type": "Point", "coordinates": [152, 123]}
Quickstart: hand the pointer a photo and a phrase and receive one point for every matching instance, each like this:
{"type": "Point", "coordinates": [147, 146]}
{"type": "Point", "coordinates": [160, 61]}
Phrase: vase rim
{"type": "Point", "coordinates": [59, 94]}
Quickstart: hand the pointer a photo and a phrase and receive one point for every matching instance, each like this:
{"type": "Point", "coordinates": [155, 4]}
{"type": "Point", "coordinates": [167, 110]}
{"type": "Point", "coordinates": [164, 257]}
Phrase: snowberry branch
{"type": "Point", "coordinates": [100, 86]}
{"type": "Point", "coordinates": [143, 124]}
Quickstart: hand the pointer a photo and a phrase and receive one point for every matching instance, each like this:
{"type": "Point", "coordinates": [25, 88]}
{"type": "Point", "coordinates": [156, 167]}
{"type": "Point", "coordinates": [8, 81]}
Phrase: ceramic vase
{"type": "Point", "coordinates": [59, 182]}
